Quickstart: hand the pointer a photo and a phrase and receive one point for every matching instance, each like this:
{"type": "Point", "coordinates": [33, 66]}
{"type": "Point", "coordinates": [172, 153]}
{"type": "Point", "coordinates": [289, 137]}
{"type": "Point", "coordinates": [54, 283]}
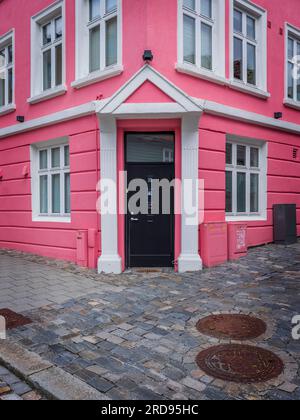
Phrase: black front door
{"type": "Point", "coordinates": [150, 235]}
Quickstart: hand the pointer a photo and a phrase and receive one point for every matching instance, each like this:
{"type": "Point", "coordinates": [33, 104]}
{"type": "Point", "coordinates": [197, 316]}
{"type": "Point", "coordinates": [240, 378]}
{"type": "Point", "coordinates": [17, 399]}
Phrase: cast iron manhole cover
{"type": "Point", "coordinates": [240, 363]}
{"type": "Point", "coordinates": [234, 327]}
{"type": "Point", "coordinates": [14, 320]}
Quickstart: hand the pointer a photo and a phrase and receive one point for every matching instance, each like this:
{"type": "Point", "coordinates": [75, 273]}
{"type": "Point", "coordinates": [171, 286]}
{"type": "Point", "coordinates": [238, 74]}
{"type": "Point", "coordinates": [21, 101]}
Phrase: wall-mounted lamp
{"type": "Point", "coordinates": [148, 56]}
{"type": "Point", "coordinates": [277, 115]}
{"type": "Point", "coordinates": [20, 118]}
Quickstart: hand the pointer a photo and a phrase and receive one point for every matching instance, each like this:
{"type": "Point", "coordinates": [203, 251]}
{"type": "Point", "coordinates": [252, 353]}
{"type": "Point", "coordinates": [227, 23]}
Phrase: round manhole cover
{"type": "Point", "coordinates": [240, 363]}
{"type": "Point", "coordinates": [234, 327]}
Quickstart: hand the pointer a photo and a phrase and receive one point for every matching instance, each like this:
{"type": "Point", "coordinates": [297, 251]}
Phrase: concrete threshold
{"type": "Point", "coordinates": [42, 375]}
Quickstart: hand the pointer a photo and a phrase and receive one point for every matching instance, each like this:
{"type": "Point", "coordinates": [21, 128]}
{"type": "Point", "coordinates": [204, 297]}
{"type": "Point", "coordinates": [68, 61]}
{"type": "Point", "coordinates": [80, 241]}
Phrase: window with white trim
{"type": "Point", "coordinates": [98, 38]}
{"type": "Point", "coordinates": [51, 181]}
{"type": "Point", "coordinates": [201, 36]}
{"type": "Point", "coordinates": [249, 40]}
{"type": "Point", "coordinates": [6, 71]}
{"type": "Point", "coordinates": [293, 64]}
{"type": "Point", "coordinates": [48, 52]}
{"type": "Point", "coordinates": [245, 179]}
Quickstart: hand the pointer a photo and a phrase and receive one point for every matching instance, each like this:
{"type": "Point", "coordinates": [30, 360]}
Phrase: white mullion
{"type": "Point", "coordinates": [198, 41]}
{"type": "Point", "coordinates": [53, 75]}
{"type": "Point", "coordinates": [102, 44]}
{"type": "Point", "coordinates": [245, 61]}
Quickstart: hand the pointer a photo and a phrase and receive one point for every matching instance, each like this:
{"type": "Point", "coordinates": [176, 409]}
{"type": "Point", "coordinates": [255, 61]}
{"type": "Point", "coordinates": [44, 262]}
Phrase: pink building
{"type": "Point", "coordinates": [216, 97]}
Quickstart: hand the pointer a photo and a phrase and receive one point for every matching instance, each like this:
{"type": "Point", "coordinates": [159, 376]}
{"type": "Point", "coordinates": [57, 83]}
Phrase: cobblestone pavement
{"type": "Point", "coordinates": [14, 389]}
{"type": "Point", "coordinates": [133, 336]}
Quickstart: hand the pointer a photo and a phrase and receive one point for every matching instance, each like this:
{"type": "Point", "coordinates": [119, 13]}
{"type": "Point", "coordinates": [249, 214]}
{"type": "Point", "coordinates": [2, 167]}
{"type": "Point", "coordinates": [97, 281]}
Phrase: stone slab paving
{"type": "Point", "coordinates": [14, 389]}
{"type": "Point", "coordinates": [134, 336]}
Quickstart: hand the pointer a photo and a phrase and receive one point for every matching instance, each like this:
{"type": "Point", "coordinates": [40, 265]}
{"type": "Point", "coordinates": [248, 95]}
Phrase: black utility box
{"type": "Point", "coordinates": [285, 224]}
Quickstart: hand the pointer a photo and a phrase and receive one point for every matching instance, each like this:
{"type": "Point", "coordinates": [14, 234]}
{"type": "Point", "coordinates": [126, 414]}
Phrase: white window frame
{"type": "Point", "coordinates": [83, 77]}
{"type": "Point", "coordinates": [36, 172]}
{"type": "Point", "coordinates": [261, 215]}
{"type": "Point", "coordinates": [261, 17]}
{"type": "Point", "coordinates": [217, 74]}
{"type": "Point", "coordinates": [5, 41]}
{"type": "Point", "coordinates": [37, 22]}
{"type": "Point", "coordinates": [294, 33]}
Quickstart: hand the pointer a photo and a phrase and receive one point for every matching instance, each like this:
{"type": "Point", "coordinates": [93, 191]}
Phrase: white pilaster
{"type": "Point", "coordinates": [109, 261]}
{"type": "Point", "coordinates": [189, 259]}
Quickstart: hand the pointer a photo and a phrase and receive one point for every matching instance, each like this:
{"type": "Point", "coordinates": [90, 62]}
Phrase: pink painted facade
{"type": "Point", "coordinates": [146, 25]}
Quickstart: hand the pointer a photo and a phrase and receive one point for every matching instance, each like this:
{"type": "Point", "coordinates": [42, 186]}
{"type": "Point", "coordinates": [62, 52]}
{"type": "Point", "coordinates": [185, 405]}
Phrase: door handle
{"type": "Point", "coordinates": [133, 219]}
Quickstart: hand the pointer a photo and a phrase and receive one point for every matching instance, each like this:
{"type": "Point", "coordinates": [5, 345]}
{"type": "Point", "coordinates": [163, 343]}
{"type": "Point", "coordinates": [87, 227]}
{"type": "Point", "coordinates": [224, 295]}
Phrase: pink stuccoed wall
{"type": "Point", "coordinates": [147, 24]}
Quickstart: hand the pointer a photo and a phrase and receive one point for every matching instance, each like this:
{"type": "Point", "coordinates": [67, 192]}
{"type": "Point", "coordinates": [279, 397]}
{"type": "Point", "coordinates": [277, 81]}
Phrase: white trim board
{"type": "Point", "coordinates": [115, 104]}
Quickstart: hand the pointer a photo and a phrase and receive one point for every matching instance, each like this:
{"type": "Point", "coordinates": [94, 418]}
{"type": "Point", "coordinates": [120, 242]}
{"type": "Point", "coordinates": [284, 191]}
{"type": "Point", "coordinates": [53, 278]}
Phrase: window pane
{"type": "Point", "coordinates": [58, 28]}
{"type": "Point", "coordinates": [10, 54]}
{"type": "Point", "coordinates": [254, 193]}
{"type": "Point", "coordinates": [149, 148]}
{"type": "Point", "coordinates": [56, 193]}
{"type": "Point", "coordinates": [228, 192]}
{"type": "Point", "coordinates": [251, 64]}
{"type": "Point", "coordinates": [238, 59]}
{"type": "Point", "coordinates": [58, 65]}
{"type": "Point", "coordinates": [10, 86]}
{"type": "Point", "coordinates": [111, 5]}
{"type": "Point", "coordinates": [95, 49]}
{"type": "Point", "coordinates": [290, 81]}
{"type": "Point", "coordinates": [111, 41]}
{"type": "Point", "coordinates": [47, 34]}
{"type": "Point", "coordinates": [254, 157]}
{"type": "Point", "coordinates": [43, 159]}
{"type": "Point", "coordinates": [241, 155]}
{"type": "Point", "coordinates": [238, 21]}
{"type": "Point", "coordinates": [44, 194]}
{"type": "Point", "coordinates": [67, 155]}
{"type": "Point", "coordinates": [94, 9]}
{"type": "Point", "coordinates": [67, 194]}
{"type": "Point", "coordinates": [228, 153]}
{"type": "Point", "coordinates": [2, 89]}
{"type": "Point", "coordinates": [55, 157]}
{"type": "Point", "coordinates": [47, 70]}
{"type": "Point", "coordinates": [290, 49]}
{"type": "Point", "coordinates": [241, 192]}
{"type": "Point", "coordinates": [189, 39]}
{"type": "Point", "coordinates": [251, 27]}
{"type": "Point", "coordinates": [206, 8]}
{"type": "Point", "coordinates": [206, 46]}
{"type": "Point", "coordinates": [189, 3]}
{"type": "Point", "coordinates": [2, 58]}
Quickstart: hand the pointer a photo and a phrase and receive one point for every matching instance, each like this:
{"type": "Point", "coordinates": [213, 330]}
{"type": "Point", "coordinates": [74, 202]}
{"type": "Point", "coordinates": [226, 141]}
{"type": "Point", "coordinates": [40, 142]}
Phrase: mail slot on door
{"type": "Point", "coordinates": [237, 241]}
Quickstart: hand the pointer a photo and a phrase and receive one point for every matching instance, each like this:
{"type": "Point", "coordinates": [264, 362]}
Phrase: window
{"type": "Point", "coordinates": [6, 71]}
{"type": "Point", "coordinates": [51, 182]}
{"type": "Point", "coordinates": [245, 179]}
{"type": "Point", "coordinates": [249, 45]}
{"type": "Point", "coordinates": [48, 54]}
{"type": "Point", "coordinates": [98, 27]}
{"type": "Point", "coordinates": [293, 62]}
{"type": "Point", "coordinates": [201, 33]}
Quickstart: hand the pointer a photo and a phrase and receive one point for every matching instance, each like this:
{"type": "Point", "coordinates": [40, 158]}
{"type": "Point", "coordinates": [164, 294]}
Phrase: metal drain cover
{"type": "Point", "coordinates": [14, 320]}
{"type": "Point", "coordinates": [240, 363]}
{"type": "Point", "coordinates": [235, 327]}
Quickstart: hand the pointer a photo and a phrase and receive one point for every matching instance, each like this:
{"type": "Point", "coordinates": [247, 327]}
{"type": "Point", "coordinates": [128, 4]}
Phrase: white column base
{"type": "Point", "coordinates": [189, 262]}
{"type": "Point", "coordinates": [110, 264]}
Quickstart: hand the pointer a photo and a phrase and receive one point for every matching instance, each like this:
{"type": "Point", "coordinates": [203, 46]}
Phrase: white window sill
{"type": "Point", "coordinates": [254, 218]}
{"type": "Point", "coordinates": [52, 219]}
{"type": "Point", "coordinates": [97, 76]}
{"type": "Point", "coordinates": [252, 90]}
{"type": "Point", "coordinates": [4, 110]}
{"type": "Point", "coordinates": [201, 73]}
{"type": "Point", "coordinates": [48, 94]}
{"type": "Point", "coordinates": [290, 103]}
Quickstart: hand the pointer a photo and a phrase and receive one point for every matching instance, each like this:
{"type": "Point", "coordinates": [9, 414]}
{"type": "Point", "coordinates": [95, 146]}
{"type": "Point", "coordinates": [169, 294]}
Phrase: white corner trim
{"type": "Point", "coordinates": [291, 104]}
{"type": "Point", "coordinates": [98, 76]}
{"type": "Point", "coordinates": [148, 73]}
{"type": "Point", "coordinates": [58, 117]}
{"type": "Point", "coordinates": [48, 94]}
{"type": "Point", "coordinates": [189, 263]}
{"type": "Point", "coordinates": [246, 88]}
{"type": "Point", "coordinates": [195, 71]}
{"type": "Point", "coordinates": [4, 110]}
